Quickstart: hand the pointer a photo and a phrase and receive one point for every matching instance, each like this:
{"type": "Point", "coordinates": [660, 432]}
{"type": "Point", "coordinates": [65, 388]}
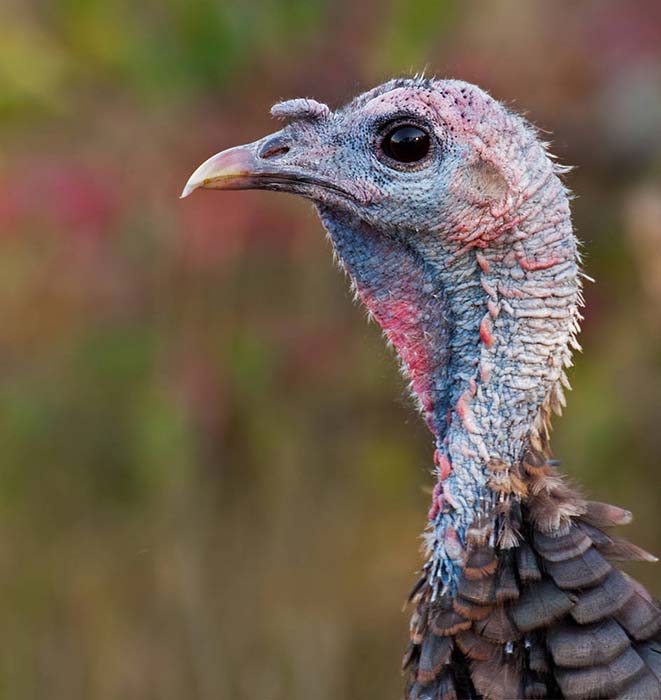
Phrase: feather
{"type": "Point", "coordinates": [526, 563]}
{"type": "Point", "coordinates": [472, 611]}
{"type": "Point", "coordinates": [417, 590]}
{"type": "Point", "coordinates": [475, 647]}
{"type": "Point", "coordinates": [535, 463]}
{"type": "Point", "coordinates": [410, 655]}
{"type": "Point", "coordinates": [497, 679]}
{"type": "Point", "coordinates": [539, 606]}
{"type": "Point", "coordinates": [434, 654]}
{"type": "Point", "coordinates": [534, 688]}
{"type": "Point", "coordinates": [598, 537]}
{"type": "Point", "coordinates": [497, 627]}
{"type": "Point", "coordinates": [640, 615]}
{"type": "Point", "coordinates": [604, 515]}
{"type": "Point", "coordinates": [481, 591]}
{"type": "Point", "coordinates": [600, 681]}
{"type": "Point", "coordinates": [554, 506]}
{"type": "Point", "coordinates": [506, 586]}
{"type": "Point", "coordinates": [449, 622]}
{"type": "Point", "coordinates": [615, 548]}
{"type": "Point", "coordinates": [602, 600]}
{"type": "Point", "coordinates": [575, 646]}
{"type": "Point", "coordinates": [418, 624]}
{"type": "Point", "coordinates": [650, 653]}
{"type": "Point", "coordinates": [537, 658]}
{"type": "Point", "coordinates": [587, 569]}
{"type": "Point", "coordinates": [558, 548]}
{"type": "Point", "coordinates": [421, 692]}
{"type": "Point", "coordinates": [619, 549]}
{"type": "Point", "coordinates": [481, 562]}
{"type": "Point", "coordinates": [446, 687]}
{"type": "Point", "coordinates": [647, 687]}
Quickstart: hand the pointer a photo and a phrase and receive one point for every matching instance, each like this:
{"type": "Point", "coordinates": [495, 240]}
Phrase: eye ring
{"type": "Point", "coordinates": [405, 144]}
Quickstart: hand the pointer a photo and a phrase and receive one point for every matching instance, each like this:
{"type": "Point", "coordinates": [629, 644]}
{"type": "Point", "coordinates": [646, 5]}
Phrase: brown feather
{"type": "Point", "coordinates": [545, 484]}
{"type": "Point", "coordinates": [647, 687]}
{"type": "Point", "coordinates": [497, 627]}
{"type": "Point", "coordinates": [506, 586]}
{"type": "Point", "coordinates": [481, 562]}
{"type": "Point", "coordinates": [481, 591]}
{"type": "Point", "coordinates": [496, 679]}
{"type": "Point", "coordinates": [449, 622]}
{"type": "Point", "coordinates": [558, 548]}
{"type": "Point", "coordinates": [600, 681]}
{"type": "Point", "coordinates": [434, 654]}
{"type": "Point", "coordinates": [446, 688]}
{"type": "Point", "coordinates": [650, 653]}
{"type": "Point", "coordinates": [414, 595]}
{"type": "Point", "coordinates": [472, 611]}
{"type": "Point", "coordinates": [526, 563]}
{"type": "Point", "coordinates": [418, 692]}
{"type": "Point", "coordinates": [508, 536]}
{"type": "Point", "coordinates": [598, 537]}
{"type": "Point", "coordinates": [539, 606]}
{"type": "Point", "coordinates": [475, 647]}
{"type": "Point", "coordinates": [603, 600]}
{"type": "Point", "coordinates": [554, 506]}
{"type": "Point", "coordinates": [537, 658]}
{"type": "Point", "coordinates": [619, 549]}
{"type": "Point", "coordinates": [497, 465]}
{"type": "Point", "coordinates": [587, 569]}
{"type": "Point", "coordinates": [418, 624]}
{"type": "Point", "coordinates": [534, 689]}
{"type": "Point", "coordinates": [604, 515]}
{"type": "Point", "coordinates": [575, 646]}
{"type": "Point", "coordinates": [640, 615]}
{"type": "Point", "coordinates": [535, 463]}
{"type": "Point", "coordinates": [410, 655]}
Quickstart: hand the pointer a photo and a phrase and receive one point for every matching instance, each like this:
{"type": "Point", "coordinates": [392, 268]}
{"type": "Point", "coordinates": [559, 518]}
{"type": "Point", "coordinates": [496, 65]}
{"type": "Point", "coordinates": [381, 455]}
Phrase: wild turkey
{"type": "Point", "coordinates": [452, 222]}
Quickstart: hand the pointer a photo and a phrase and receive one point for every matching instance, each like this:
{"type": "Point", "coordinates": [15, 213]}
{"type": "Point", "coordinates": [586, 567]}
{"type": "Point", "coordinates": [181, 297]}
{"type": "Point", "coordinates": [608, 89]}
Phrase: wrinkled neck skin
{"type": "Point", "coordinates": [483, 320]}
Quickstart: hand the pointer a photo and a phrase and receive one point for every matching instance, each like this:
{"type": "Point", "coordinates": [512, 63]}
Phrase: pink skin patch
{"type": "Point", "coordinates": [531, 265]}
{"type": "Point", "coordinates": [453, 546]}
{"type": "Point", "coordinates": [486, 331]}
{"type": "Point", "coordinates": [443, 463]}
{"type": "Point", "coordinates": [400, 319]}
{"type": "Point", "coordinates": [395, 292]}
{"type": "Point", "coordinates": [444, 468]}
{"type": "Point", "coordinates": [437, 502]}
{"type": "Point", "coordinates": [463, 407]}
{"type": "Point", "coordinates": [483, 263]}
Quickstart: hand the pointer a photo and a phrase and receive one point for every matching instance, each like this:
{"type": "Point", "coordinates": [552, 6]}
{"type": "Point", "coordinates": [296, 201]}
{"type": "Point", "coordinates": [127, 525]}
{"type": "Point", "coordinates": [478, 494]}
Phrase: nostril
{"type": "Point", "coordinates": [273, 148]}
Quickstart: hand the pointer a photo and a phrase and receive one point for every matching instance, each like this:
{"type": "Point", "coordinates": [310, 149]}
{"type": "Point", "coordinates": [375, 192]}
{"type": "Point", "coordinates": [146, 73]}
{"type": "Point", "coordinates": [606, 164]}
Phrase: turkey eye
{"type": "Point", "coordinates": [406, 144]}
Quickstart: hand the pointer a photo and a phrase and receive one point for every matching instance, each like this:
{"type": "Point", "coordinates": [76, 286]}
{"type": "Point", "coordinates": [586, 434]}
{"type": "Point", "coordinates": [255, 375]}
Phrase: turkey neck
{"type": "Point", "coordinates": [483, 332]}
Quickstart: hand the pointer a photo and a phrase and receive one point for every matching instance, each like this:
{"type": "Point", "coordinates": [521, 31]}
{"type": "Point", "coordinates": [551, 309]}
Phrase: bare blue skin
{"type": "Point", "coordinates": [466, 258]}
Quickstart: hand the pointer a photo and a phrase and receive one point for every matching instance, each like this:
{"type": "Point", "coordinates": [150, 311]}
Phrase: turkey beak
{"type": "Point", "coordinates": [236, 168]}
{"type": "Point", "coordinates": [272, 163]}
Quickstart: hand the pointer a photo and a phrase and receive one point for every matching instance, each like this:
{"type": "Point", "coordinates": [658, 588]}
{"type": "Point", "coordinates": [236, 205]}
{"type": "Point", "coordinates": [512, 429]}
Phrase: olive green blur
{"type": "Point", "coordinates": [212, 483]}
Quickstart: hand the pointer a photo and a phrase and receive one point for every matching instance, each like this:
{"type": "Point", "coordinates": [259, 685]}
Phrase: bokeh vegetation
{"type": "Point", "coordinates": [211, 484]}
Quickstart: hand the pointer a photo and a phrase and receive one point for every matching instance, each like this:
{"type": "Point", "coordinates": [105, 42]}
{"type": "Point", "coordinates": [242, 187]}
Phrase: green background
{"type": "Point", "coordinates": [211, 482]}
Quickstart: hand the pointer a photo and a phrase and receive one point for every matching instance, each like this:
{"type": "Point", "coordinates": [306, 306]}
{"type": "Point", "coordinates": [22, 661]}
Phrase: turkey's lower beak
{"type": "Point", "coordinates": [234, 169]}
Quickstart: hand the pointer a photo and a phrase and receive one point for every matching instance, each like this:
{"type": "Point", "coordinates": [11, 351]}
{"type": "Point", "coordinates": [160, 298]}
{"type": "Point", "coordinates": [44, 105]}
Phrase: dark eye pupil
{"type": "Point", "coordinates": [406, 144]}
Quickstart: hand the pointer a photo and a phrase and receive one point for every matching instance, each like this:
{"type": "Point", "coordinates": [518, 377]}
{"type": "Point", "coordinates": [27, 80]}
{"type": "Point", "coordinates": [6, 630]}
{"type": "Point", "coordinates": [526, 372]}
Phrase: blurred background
{"type": "Point", "coordinates": [211, 481]}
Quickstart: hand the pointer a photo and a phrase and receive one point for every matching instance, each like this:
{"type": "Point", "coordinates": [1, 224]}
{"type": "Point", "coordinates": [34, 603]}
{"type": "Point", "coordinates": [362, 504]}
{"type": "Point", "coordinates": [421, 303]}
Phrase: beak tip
{"type": "Point", "coordinates": [188, 189]}
{"type": "Point", "coordinates": [227, 170]}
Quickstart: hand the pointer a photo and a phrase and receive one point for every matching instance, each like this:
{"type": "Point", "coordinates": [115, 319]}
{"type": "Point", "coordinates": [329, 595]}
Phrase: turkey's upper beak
{"type": "Point", "coordinates": [236, 168]}
{"type": "Point", "coordinates": [266, 164]}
